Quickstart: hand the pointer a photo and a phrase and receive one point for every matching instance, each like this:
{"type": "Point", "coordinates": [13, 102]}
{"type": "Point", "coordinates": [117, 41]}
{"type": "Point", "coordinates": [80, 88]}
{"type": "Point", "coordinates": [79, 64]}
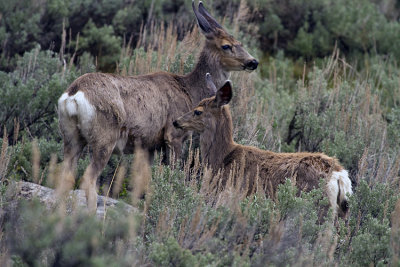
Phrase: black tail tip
{"type": "Point", "coordinates": [344, 206]}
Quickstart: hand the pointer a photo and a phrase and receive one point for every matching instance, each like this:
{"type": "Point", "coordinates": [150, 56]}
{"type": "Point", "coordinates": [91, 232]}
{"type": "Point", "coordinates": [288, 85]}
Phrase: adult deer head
{"type": "Point", "coordinates": [232, 55]}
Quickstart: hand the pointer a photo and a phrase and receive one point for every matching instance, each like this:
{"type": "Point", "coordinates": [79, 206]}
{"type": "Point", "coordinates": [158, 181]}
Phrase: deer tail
{"type": "Point", "coordinates": [344, 189]}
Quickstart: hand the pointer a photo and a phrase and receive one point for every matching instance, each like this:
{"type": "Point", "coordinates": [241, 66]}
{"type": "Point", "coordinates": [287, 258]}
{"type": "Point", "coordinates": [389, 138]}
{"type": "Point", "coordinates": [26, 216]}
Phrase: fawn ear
{"type": "Point", "coordinates": [224, 94]}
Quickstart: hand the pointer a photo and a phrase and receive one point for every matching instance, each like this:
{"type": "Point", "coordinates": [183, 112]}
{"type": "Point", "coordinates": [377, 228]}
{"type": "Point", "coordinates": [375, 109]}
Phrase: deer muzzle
{"type": "Point", "coordinates": [177, 125]}
{"type": "Point", "coordinates": [252, 64]}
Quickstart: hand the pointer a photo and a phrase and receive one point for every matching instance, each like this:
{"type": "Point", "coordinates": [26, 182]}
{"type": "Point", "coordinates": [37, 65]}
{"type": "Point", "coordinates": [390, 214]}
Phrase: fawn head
{"type": "Point", "coordinates": [208, 112]}
{"type": "Point", "coordinates": [232, 55]}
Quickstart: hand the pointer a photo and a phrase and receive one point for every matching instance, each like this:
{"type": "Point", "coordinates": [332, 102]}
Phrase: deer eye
{"type": "Point", "coordinates": [226, 47]}
{"type": "Point", "coordinates": [197, 112]}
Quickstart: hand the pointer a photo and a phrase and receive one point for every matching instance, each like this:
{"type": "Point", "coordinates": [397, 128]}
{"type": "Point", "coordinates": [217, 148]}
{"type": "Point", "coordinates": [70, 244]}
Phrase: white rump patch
{"type": "Point", "coordinates": [332, 190]}
{"type": "Point", "coordinates": [76, 105]}
{"type": "Point", "coordinates": [344, 181]}
{"type": "Point", "coordinates": [339, 179]}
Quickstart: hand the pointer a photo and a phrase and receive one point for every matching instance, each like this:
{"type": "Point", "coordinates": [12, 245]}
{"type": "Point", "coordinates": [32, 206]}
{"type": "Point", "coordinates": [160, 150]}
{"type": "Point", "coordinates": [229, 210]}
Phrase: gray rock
{"type": "Point", "coordinates": [76, 199]}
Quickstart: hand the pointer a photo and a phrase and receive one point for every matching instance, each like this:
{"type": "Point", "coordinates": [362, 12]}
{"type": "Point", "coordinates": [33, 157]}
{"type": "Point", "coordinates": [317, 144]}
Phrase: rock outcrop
{"type": "Point", "coordinates": [76, 199]}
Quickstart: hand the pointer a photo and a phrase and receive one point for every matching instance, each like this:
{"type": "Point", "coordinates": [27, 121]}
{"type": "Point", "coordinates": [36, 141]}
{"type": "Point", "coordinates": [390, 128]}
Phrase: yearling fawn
{"type": "Point", "coordinates": [113, 113]}
{"type": "Point", "coordinates": [212, 119]}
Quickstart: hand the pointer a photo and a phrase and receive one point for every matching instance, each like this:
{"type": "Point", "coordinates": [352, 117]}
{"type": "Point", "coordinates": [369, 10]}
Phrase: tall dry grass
{"type": "Point", "coordinates": [4, 156]}
{"type": "Point", "coordinates": [157, 49]}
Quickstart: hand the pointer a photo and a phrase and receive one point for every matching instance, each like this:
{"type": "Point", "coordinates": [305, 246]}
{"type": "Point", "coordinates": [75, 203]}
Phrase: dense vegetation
{"type": "Point", "coordinates": [303, 29]}
{"type": "Point", "coordinates": [328, 81]}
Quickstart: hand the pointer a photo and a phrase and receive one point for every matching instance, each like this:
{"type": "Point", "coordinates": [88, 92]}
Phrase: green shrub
{"type": "Point", "coordinates": [366, 239]}
{"type": "Point", "coordinates": [126, 20]}
{"type": "Point", "coordinates": [311, 29]}
{"type": "Point", "coordinates": [20, 24]}
{"type": "Point", "coordinates": [37, 236]}
{"type": "Point", "coordinates": [30, 93]}
{"type": "Point", "coordinates": [170, 195]}
{"type": "Point", "coordinates": [102, 43]}
{"type": "Point", "coordinates": [169, 253]}
{"type": "Point", "coordinates": [259, 212]}
{"type": "Point", "coordinates": [394, 127]}
{"type": "Point", "coordinates": [371, 246]}
{"type": "Point", "coordinates": [377, 201]}
{"type": "Point", "coordinates": [20, 165]}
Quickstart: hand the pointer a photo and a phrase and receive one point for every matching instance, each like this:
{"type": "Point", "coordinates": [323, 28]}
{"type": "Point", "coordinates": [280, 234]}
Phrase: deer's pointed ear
{"type": "Point", "coordinates": [203, 11]}
{"type": "Point", "coordinates": [210, 85]}
{"type": "Point", "coordinates": [204, 25]}
{"type": "Point", "coordinates": [224, 94]}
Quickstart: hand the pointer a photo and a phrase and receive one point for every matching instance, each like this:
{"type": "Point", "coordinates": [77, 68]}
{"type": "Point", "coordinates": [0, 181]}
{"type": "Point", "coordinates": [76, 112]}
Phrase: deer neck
{"type": "Point", "coordinates": [216, 144]}
{"type": "Point", "coordinates": [208, 62]}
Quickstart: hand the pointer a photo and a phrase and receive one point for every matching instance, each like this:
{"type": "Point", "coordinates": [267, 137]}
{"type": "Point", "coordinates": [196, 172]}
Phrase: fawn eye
{"type": "Point", "coordinates": [197, 112]}
{"type": "Point", "coordinates": [226, 47]}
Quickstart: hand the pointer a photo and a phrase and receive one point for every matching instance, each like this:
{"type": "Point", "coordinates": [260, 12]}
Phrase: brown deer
{"type": "Point", "coordinates": [212, 119]}
{"type": "Point", "coordinates": [113, 113]}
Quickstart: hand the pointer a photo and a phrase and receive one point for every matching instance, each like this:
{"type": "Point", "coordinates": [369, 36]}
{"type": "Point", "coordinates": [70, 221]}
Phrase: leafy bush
{"type": "Point", "coordinates": [20, 24]}
{"type": "Point", "coordinates": [178, 228]}
{"type": "Point", "coordinates": [394, 127]}
{"type": "Point", "coordinates": [37, 235]}
{"type": "Point", "coordinates": [27, 24]}
{"type": "Point", "coordinates": [102, 43]}
{"type": "Point", "coordinates": [369, 225]}
{"type": "Point", "coordinates": [310, 29]}
{"type": "Point", "coordinates": [30, 93]}
{"type": "Point", "coordinates": [21, 167]}
{"type": "Point", "coordinates": [303, 29]}
{"type": "Point", "coordinates": [169, 253]}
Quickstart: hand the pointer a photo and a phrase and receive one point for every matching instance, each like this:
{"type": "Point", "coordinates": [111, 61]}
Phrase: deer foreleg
{"type": "Point", "coordinates": [173, 141]}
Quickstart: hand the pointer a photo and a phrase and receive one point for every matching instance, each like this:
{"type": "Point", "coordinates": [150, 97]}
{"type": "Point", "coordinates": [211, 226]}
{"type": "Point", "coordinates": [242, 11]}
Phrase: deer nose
{"type": "Point", "coordinates": [252, 64]}
{"type": "Point", "coordinates": [176, 124]}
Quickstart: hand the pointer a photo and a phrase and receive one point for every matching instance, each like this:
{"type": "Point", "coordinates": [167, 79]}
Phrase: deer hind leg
{"type": "Point", "coordinates": [72, 152]}
{"type": "Point", "coordinates": [100, 155]}
{"type": "Point", "coordinates": [74, 144]}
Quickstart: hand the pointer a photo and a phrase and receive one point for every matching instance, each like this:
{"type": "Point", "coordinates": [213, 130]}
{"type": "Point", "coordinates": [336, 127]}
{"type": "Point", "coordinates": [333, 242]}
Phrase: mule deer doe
{"type": "Point", "coordinates": [212, 119]}
{"type": "Point", "coordinates": [113, 113]}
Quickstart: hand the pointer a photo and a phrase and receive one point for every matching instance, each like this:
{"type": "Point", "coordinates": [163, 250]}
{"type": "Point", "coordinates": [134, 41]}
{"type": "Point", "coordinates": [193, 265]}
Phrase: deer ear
{"type": "Point", "coordinates": [203, 11]}
{"type": "Point", "coordinates": [203, 22]}
{"type": "Point", "coordinates": [224, 94]}
{"type": "Point", "coordinates": [210, 85]}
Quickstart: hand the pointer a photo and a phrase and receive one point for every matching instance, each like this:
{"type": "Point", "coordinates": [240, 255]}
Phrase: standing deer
{"type": "Point", "coordinates": [212, 119]}
{"type": "Point", "coordinates": [113, 113]}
